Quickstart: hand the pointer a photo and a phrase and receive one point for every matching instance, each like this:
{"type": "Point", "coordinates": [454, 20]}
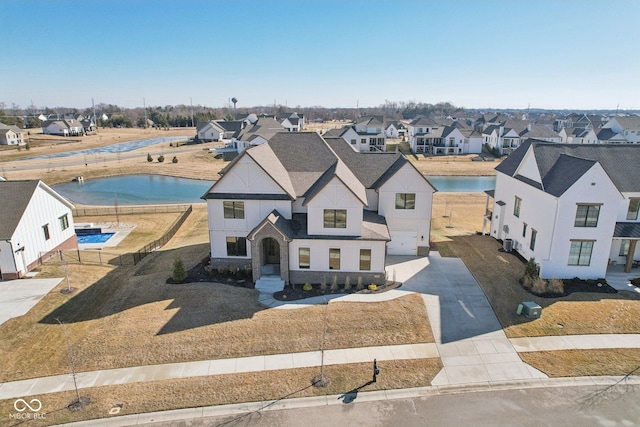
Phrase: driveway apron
{"type": "Point", "coordinates": [469, 338]}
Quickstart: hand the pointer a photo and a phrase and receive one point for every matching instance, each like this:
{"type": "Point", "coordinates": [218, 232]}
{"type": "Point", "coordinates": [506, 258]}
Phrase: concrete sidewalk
{"type": "Point", "coordinates": [136, 374]}
{"type": "Point", "coordinates": [576, 342]}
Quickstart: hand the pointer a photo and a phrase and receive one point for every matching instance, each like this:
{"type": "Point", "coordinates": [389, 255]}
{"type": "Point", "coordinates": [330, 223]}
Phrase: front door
{"type": "Point", "coordinates": [271, 251]}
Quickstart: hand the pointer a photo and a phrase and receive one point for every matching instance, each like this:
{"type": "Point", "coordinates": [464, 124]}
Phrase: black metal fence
{"type": "Point", "coordinates": [129, 210]}
{"type": "Point", "coordinates": [158, 243]}
{"type": "Point", "coordinates": [87, 256]}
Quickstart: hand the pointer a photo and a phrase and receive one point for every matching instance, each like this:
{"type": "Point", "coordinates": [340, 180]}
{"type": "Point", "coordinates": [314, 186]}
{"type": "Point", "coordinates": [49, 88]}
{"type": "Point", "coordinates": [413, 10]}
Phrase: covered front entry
{"type": "Point", "coordinates": [271, 251]}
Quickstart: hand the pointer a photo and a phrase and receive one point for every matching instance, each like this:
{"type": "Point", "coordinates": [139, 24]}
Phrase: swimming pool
{"type": "Point", "coordinates": [93, 238]}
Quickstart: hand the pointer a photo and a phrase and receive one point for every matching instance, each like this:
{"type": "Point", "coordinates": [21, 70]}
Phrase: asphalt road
{"type": "Point", "coordinates": [561, 406]}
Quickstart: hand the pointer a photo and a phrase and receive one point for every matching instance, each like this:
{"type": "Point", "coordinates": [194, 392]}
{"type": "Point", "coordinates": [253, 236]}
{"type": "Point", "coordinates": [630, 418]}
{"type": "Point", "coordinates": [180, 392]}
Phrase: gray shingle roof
{"type": "Point", "coordinates": [538, 131]}
{"type": "Point", "coordinates": [627, 229]}
{"type": "Point", "coordinates": [15, 197]}
{"type": "Point", "coordinates": [629, 122]}
{"type": "Point", "coordinates": [561, 165]}
{"type": "Point", "coordinates": [266, 127]}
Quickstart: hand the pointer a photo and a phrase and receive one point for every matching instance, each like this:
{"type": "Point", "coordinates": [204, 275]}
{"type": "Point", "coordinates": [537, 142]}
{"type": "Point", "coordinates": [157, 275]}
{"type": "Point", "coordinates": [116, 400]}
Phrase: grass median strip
{"type": "Point", "coordinates": [576, 363]}
{"type": "Point", "coordinates": [227, 389]}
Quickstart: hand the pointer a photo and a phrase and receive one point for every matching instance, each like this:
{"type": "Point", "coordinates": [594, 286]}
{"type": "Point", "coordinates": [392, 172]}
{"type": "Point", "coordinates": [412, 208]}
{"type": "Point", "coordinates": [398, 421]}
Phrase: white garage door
{"type": "Point", "coordinates": [403, 243]}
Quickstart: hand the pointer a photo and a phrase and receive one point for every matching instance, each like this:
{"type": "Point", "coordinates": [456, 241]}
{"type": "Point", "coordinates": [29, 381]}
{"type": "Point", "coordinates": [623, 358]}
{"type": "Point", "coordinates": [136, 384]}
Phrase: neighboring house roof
{"type": "Point", "coordinates": [423, 121]}
{"type": "Point", "coordinates": [607, 134]}
{"type": "Point", "coordinates": [265, 127]}
{"type": "Point", "coordinates": [539, 132]}
{"type": "Point", "coordinates": [334, 132]}
{"type": "Point", "coordinates": [628, 122]}
{"type": "Point", "coordinates": [370, 121]}
{"type": "Point", "coordinates": [561, 165]}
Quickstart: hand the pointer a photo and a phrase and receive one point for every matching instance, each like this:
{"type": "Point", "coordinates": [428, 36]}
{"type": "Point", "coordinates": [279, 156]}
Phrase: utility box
{"type": "Point", "coordinates": [507, 245]}
{"type": "Point", "coordinates": [531, 310]}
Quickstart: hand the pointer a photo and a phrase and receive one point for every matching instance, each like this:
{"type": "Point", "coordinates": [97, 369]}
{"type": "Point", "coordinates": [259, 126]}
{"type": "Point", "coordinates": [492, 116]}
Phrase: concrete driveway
{"type": "Point", "coordinates": [469, 338]}
{"type": "Point", "coordinates": [18, 296]}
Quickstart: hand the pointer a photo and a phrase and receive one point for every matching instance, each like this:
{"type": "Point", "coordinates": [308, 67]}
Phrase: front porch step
{"type": "Point", "coordinates": [269, 284]}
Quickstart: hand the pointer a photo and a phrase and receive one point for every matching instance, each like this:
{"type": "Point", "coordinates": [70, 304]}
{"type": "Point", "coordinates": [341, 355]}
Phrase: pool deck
{"type": "Point", "coordinates": [121, 231]}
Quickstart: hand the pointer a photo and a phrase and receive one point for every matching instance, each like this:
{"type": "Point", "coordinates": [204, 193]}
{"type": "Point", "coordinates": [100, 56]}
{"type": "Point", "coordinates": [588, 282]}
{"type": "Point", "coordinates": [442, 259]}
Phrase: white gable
{"type": "Point", "coordinates": [248, 178]}
{"type": "Point", "coordinates": [529, 167]}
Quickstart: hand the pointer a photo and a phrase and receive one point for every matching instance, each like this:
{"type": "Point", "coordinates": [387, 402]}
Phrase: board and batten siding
{"type": "Point", "coordinates": [43, 208]}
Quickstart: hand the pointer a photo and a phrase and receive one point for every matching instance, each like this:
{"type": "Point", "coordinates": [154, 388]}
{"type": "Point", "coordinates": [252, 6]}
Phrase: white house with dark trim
{"type": "Point", "coordinates": [35, 221]}
{"type": "Point", "coordinates": [572, 207]}
{"type": "Point", "coordinates": [313, 209]}
{"type": "Point", "coordinates": [627, 126]}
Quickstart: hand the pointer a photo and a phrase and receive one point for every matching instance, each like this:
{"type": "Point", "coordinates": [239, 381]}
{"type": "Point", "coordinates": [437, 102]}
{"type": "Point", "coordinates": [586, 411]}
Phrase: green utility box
{"type": "Point", "coordinates": [531, 309]}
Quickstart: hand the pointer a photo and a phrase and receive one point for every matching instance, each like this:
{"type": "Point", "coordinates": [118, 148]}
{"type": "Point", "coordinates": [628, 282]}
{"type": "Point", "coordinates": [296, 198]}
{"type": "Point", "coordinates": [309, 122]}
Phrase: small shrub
{"type": "Point", "coordinates": [532, 269]}
{"type": "Point", "coordinates": [539, 286]}
{"type": "Point", "coordinates": [555, 286]}
{"type": "Point", "coordinates": [636, 281]}
{"type": "Point", "coordinates": [27, 147]}
{"type": "Point", "coordinates": [373, 287]}
{"type": "Point", "coordinates": [347, 283]}
{"type": "Point", "coordinates": [307, 287]}
{"type": "Point", "coordinates": [334, 283]}
{"type": "Point", "coordinates": [359, 285]}
{"type": "Point", "coordinates": [174, 160]}
{"type": "Point", "coordinates": [527, 282]}
{"type": "Point", "coordinates": [179, 274]}
{"type": "Point", "coordinates": [149, 158]}
{"type": "Point", "coordinates": [160, 158]}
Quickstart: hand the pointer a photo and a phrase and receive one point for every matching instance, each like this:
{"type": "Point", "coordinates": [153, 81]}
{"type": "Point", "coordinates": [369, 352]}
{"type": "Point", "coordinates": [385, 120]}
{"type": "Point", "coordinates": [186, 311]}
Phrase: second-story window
{"type": "Point", "coordinates": [233, 209]}
{"type": "Point", "coordinates": [534, 236]}
{"type": "Point", "coordinates": [632, 212]}
{"type": "Point", "coordinates": [335, 218]}
{"type": "Point", "coordinates": [516, 207]}
{"type": "Point", "coordinates": [405, 200]}
{"type": "Point", "coordinates": [587, 216]}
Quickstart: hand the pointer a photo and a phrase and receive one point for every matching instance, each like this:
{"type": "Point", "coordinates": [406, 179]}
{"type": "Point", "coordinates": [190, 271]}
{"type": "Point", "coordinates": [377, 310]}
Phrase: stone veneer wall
{"type": "Point", "coordinates": [423, 250]}
{"type": "Point", "coordinates": [258, 257]}
{"type": "Point", "coordinates": [299, 277]}
{"type": "Point", "coordinates": [232, 263]}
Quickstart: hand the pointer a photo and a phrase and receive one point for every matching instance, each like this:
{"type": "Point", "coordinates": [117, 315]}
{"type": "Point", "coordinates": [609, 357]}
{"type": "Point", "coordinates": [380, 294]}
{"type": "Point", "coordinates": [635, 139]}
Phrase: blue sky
{"type": "Point", "coordinates": [502, 54]}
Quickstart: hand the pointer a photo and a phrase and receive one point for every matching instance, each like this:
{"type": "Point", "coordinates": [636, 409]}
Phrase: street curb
{"type": "Point", "coordinates": [245, 409]}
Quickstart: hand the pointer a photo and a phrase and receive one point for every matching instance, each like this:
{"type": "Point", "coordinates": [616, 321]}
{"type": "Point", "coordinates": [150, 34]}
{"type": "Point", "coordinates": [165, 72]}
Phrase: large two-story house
{"type": "Point", "coordinates": [574, 208]}
{"type": "Point", "coordinates": [311, 209]}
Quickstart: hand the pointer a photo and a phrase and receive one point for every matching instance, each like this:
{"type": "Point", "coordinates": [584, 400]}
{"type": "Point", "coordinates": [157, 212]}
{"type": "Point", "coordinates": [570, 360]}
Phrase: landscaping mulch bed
{"type": "Point", "coordinates": [293, 293]}
{"type": "Point", "coordinates": [578, 285]}
{"type": "Point", "coordinates": [200, 274]}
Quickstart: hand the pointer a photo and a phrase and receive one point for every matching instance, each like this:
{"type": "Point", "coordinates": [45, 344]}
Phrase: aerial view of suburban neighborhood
{"type": "Point", "coordinates": [224, 214]}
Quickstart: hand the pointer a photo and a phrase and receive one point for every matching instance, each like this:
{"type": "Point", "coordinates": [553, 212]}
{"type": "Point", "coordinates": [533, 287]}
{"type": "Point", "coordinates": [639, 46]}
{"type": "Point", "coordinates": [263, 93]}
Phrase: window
{"type": "Point", "coordinates": [304, 257]}
{"type": "Point", "coordinates": [532, 243]}
{"type": "Point", "coordinates": [353, 142]}
{"type": "Point", "coordinates": [334, 259]}
{"type": "Point", "coordinates": [516, 207]}
{"type": "Point", "coordinates": [405, 201]}
{"type": "Point", "coordinates": [365, 259]}
{"type": "Point", "coordinates": [624, 248]}
{"type": "Point", "coordinates": [236, 246]}
{"type": "Point", "coordinates": [524, 229]}
{"type": "Point", "coordinates": [634, 206]}
{"type": "Point", "coordinates": [335, 218]}
{"type": "Point", "coordinates": [45, 229]}
{"type": "Point", "coordinates": [587, 216]}
{"type": "Point", "coordinates": [64, 222]}
{"type": "Point", "coordinates": [233, 210]}
{"type": "Point", "coordinates": [580, 252]}
{"type": "Point", "coordinates": [363, 141]}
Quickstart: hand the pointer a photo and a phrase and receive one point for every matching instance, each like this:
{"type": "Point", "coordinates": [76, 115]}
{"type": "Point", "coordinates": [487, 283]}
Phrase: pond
{"type": "Point", "coordinates": [121, 147]}
{"type": "Point", "coordinates": [471, 184]}
{"type": "Point", "coordinates": [135, 190]}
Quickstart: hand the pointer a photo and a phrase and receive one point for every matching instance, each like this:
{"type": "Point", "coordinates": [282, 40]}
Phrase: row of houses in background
{"type": "Point", "coordinates": [68, 125]}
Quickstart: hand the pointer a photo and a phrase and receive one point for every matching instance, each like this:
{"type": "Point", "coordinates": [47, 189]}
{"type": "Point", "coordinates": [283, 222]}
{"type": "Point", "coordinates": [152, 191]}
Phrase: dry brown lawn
{"type": "Point", "coordinates": [456, 214]}
{"type": "Point", "coordinates": [578, 313]}
{"type": "Point", "coordinates": [577, 363]}
{"type": "Point", "coordinates": [130, 316]}
{"type": "Point", "coordinates": [227, 389]}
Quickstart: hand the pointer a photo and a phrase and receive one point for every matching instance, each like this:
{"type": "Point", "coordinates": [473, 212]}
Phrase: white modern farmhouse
{"type": "Point", "coordinates": [309, 209]}
{"type": "Point", "coordinates": [35, 221]}
{"type": "Point", "coordinates": [572, 207]}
